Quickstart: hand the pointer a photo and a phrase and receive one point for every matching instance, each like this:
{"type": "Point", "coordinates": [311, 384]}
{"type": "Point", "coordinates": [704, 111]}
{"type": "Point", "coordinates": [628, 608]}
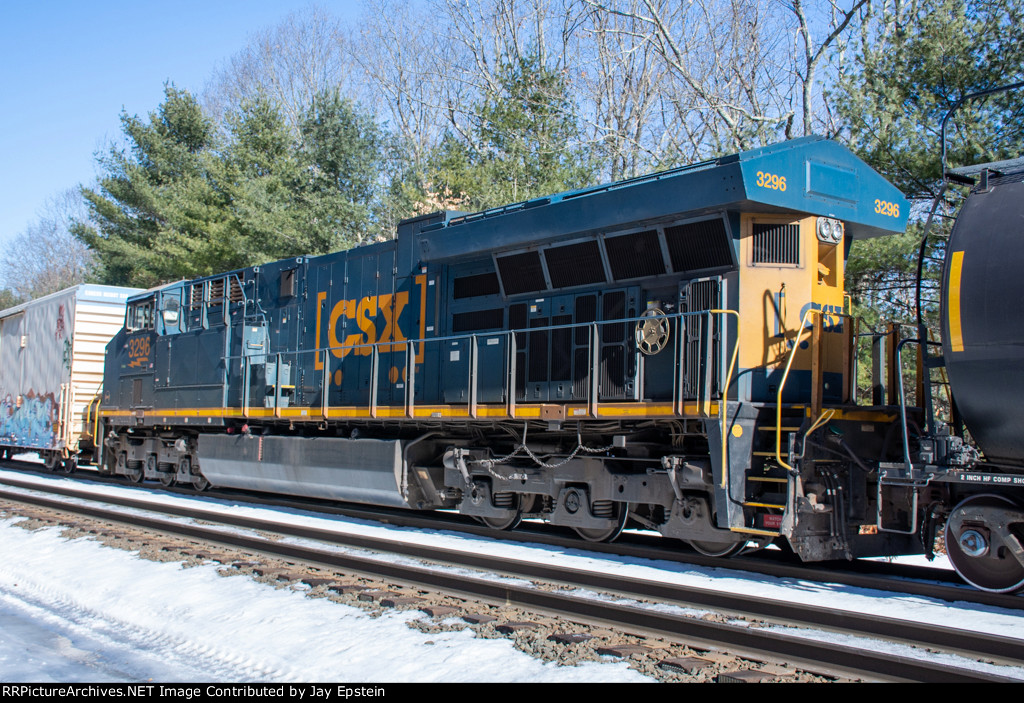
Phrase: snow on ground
{"type": "Point", "coordinates": [74, 610]}
{"type": "Point", "coordinates": [65, 587]}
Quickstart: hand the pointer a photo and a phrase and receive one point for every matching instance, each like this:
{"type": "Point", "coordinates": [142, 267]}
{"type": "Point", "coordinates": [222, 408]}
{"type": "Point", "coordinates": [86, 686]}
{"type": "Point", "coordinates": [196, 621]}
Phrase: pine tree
{"type": "Point", "coordinates": [916, 59]}
{"type": "Point", "coordinates": [523, 143]}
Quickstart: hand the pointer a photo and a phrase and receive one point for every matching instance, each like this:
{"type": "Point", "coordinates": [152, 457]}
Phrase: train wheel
{"type": "Point", "coordinates": [166, 479]}
{"type": "Point", "coordinates": [717, 549]}
{"type": "Point", "coordinates": [506, 523]}
{"type": "Point", "coordinates": [69, 465]}
{"type": "Point", "coordinates": [594, 534]}
{"type": "Point", "coordinates": [133, 470]}
{"type": "Point", "coordinates": [979, 543]}
{"type": "Point", "coordinates": [199, 482]}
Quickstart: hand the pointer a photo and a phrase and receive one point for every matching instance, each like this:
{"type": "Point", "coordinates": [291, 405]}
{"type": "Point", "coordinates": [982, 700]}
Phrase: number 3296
{"type": "Point", "coordinates": [771, 180]}
{"type": "Point", "coordinates": [884, 207]}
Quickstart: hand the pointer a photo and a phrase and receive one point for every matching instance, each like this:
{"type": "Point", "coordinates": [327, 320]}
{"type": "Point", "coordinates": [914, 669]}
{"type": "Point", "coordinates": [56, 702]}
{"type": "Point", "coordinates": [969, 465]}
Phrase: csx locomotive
{"type": "Point", "coordinates": [673, 351]}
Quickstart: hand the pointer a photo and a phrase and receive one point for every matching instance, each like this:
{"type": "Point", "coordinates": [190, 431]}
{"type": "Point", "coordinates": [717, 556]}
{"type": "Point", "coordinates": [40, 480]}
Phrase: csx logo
{"type": "Point", "coordinates": [375, 316]}
{"type": "Point", "coordinates": [831, 317]}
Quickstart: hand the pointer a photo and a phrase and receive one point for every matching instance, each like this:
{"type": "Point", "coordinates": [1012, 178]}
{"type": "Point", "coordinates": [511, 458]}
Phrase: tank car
{"type": "Point", "coordinates": [672, 351]}
{"type": "Point", "coordinates": [976, 461]}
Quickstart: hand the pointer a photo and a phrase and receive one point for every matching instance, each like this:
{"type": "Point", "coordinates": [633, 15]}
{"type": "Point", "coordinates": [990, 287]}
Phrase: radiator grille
{"type": "Point", "coordinates": [635, 255]}
{"type": "Point", "coordinates": [521, 273]}
{"type": "Point", "coordinates": [776, 244]}
{"type": "Point", "coordinates": [476, 286]}
{"type": "Point", "coordinates": [699, 296]}
{"type": "Point", "coordinates": [478, 320]}
{"type": "Point", "coordinates": [698, 245]}
{"type": "Point", "coordinates": [217, 291]}
{"type": "Point", "coordinates": [236, 295]}
{"type": "Point", "coordinates": [574, 265]}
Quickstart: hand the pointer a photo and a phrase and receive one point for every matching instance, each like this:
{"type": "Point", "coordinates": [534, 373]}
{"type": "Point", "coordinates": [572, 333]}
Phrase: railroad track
{"type": "Point", "coordinates": [325, 548]}
{"type": "Point", "coordinates": [882, 576]}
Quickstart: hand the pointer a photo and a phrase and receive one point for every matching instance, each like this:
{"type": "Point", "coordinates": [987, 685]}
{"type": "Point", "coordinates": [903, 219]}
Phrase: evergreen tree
{"type": "Point", "coordinates": [156, 210]}
{"type": "Point", "coordinates": [263, 174]}
{"type": "Point", "coordinates": [521, 146]}
{"type": "Point", "coordinates": [916, 59]}
{"type": "Point", "coordinates": [185, 200]}
{"type": "Point", "coordinates": [343, 153]}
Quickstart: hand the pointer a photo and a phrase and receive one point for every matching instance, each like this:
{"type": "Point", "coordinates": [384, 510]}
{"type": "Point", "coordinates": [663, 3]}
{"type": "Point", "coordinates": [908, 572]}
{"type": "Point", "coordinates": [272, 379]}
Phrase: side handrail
{"type": "Point", "coordinates": [782, 386]}
{"type": "Point", "coordinates": [375, 349]}
{"type": "Point", "coordinates": [722, 405]}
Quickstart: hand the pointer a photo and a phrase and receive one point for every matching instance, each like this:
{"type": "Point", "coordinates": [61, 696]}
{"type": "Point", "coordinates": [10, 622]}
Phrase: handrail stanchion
{"type": "Point", "coordinates": [325, 401]}
{"type": "Point", "coordinates": [410, 380]}
{"type": "Point", "coordinates": [708, 347]}
{"type": "Point", "coordinates": [679, 383]}
{"type": "Point", "coordinates": [245, 386]}
{"type": "Point", "coordinates": [782, 386]}
{"type": "Point", "coordinates": [510, 403]}
{"type": "Point", "coordinates": [473, 359]}
{"type": "Point", "coordinates": [374, 364]}
{"type": "Point", "coordinates": [817, 390]}
{"type": "Point", "coordinates": [595, 371]}
{"type": "Point", "coordinates": [723, 401]}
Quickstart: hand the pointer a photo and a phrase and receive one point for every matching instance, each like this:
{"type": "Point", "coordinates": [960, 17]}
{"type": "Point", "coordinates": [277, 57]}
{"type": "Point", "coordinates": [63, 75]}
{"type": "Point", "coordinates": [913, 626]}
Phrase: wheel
{"type": "Point", "coordinates": [131, 469]}
{"type": "Point", "coordinates": [717, 549]}
{"type": "Point", "coordinates": [69, 465]}
{"type": "Point", "coordinates": [50, 460]}
{"type": "Point", "coordinates": [506, 523]}
{"type": "Point", "coordinates": [166, 479]}
{"type": "Point", "coordinates": [600, 534]}
{"type": "Point", "coordinates": [199, 482]}
{"type": "Point", "coordinates": [976, 534]}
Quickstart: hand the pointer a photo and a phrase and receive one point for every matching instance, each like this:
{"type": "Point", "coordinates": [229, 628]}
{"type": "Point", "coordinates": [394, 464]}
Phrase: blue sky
{"type": "Point", "coordinates": [67, 69]}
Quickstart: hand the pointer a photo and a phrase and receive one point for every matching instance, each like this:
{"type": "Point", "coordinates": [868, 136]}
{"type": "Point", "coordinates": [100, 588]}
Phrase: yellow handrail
{"type": "Point", "coordinates": [96, 420]}
{"type": "Point", "coordinates": [782, 385]}
{"type": "Point", "coordinates": [723, 404]}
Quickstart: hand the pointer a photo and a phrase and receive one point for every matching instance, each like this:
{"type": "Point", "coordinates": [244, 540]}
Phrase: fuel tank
{"type": "Point", "coordinates": [983, 314]}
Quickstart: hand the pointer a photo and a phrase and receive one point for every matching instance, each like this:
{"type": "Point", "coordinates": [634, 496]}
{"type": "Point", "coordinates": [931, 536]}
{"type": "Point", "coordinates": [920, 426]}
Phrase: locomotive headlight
{"type": "Point", "coordinates": [830, 231]}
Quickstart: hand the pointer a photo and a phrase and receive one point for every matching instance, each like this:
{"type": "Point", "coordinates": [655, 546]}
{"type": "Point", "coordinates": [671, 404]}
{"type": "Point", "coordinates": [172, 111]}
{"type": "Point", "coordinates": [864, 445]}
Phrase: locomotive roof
{"type": "Point", "coordinates": [821, 178]}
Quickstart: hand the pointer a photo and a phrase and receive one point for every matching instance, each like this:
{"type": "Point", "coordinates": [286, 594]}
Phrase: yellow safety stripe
{"type": "Point", "coordinates": [572, 412]}
{"type": "Point", "coordinates": [956, 333]}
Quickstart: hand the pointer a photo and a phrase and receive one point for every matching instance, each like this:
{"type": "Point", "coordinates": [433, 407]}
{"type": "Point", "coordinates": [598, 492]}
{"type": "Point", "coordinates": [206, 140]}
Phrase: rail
{"type": "Point", "coordinates": [599, 363]}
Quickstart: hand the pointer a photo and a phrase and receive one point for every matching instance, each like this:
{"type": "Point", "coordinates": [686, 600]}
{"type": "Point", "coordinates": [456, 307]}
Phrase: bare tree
{"type": "Point", "coordinates": [404, 66]}
{"type": "Point", "coordinates": [620, 83]}
{"type": "Point", "coordinates": [290, 63]}
{"type": "Point", "coordinates": [740, 72]}
{"type": "Point", "coordinates": [814, 54]}
{"type": "Point", "coordinates": [46, 257]}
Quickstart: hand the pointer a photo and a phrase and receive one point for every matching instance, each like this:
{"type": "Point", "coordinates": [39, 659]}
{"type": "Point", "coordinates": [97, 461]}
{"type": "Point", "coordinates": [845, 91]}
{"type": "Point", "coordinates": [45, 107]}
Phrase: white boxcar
{"type": "Point", "coordinates": [51, 368]}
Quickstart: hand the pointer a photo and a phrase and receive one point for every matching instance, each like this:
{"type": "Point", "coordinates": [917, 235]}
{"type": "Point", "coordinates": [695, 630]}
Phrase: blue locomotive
{"type": "Point", "coordinates": [673, 351]}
